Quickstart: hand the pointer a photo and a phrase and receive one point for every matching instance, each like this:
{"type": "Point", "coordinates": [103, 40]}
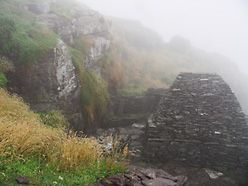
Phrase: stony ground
{"type": "Point", "coordinates": [198, 176]}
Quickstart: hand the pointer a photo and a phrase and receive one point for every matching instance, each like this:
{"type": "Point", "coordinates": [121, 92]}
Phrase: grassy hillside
{"type": "Point", "coordinates": [48, 155]}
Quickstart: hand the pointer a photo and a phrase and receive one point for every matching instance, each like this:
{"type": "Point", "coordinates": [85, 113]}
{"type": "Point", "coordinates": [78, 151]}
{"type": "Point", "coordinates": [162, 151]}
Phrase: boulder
{"type": "Point", "coordinates": [22, 180]}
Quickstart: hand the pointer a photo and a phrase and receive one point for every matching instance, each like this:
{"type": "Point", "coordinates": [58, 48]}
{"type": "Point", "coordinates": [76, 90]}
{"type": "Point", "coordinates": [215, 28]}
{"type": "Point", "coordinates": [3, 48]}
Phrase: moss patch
{"type": "Point", "coordinates": [94, 93]}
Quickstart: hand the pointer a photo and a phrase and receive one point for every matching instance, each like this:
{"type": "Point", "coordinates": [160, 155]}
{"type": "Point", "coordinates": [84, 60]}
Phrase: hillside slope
{"type": "Point", "coordinates": [55, 46]}
{"type": "Point", "coordinates": [70, 57]}
{"type": "Point", "coordinates": [154, 63]}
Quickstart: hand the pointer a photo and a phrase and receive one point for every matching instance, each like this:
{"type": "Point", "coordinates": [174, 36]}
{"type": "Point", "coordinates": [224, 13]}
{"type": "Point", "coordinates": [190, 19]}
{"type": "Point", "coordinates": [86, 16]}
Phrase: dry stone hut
{"type": "Point", "coordinates": [199, 122]}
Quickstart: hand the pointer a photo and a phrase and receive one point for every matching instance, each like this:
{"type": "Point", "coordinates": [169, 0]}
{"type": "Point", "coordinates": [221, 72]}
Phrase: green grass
{"type": "Point", "coordinates": [132, 91]}
{"type": "Point", "coordinates": [21, 38]}
{"type": "Point", "coordinates": [40, 174]}
{"type": "Point", "coordinates": [3, 80]}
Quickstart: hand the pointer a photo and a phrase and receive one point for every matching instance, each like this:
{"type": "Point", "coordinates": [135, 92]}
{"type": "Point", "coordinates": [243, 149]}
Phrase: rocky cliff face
{"type": "Point", "coordinates": [81, 21]}
{"type": "Point", "coordinates": [51, 82]}
{"type": "Point", "coordinates": [96, 52]}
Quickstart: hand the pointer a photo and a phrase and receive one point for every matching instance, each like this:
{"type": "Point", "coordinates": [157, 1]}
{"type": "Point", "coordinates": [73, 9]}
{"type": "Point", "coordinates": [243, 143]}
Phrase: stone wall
{"type": "Point", "coordinates": [199, 122]}
{"type": "Point", "coordinates": [127, 117]}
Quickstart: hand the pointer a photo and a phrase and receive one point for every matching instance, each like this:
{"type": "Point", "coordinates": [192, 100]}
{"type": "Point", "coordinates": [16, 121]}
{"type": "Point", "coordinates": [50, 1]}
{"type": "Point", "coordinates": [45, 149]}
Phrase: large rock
{"type": "Point", "coordinates": [96, 52]}
{"type": "Point", "coordinates": [84, 21]}
{"type": "Point", "coordinates": [22, 180]}
{"type": "Point", "coordinates": [87, 21]}
{"type": "Point", "coordinates": [65, 70]}
{"type": "Point", "coordinates": [51, 82]}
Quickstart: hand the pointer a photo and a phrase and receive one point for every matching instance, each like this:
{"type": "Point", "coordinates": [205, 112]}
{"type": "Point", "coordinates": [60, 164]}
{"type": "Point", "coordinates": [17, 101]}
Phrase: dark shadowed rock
{"type": "Point", "coordinates": [22, 180]}
{"type": "Point", "coordinates": [181, 180]}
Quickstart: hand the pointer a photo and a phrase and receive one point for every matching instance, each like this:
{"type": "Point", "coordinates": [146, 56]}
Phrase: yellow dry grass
{"type": "Point", "coordinates": [23, 134]}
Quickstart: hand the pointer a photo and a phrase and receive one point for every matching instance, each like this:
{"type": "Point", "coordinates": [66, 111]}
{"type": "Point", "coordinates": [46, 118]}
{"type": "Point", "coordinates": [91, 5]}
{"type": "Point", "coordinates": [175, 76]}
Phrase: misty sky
{"type": "Point", "coordinates": [214, 25]}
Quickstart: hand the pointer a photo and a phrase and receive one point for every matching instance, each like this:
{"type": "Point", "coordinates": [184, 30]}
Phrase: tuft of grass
{"type": "Point", "coordinates": [26, 141]}
{"type": "Point", "coordinates": [54, 118]}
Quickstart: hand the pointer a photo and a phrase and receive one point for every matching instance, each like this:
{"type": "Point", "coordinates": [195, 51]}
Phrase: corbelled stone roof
{"type": "Point", "coordinates": [199, 122]}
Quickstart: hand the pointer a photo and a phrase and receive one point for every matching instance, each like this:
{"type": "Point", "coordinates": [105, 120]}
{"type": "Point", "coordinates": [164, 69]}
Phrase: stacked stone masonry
{"type": "Point", "coordinates": [200, 122]}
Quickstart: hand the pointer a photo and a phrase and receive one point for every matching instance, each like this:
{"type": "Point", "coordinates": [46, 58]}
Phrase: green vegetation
{"type": "Point", "coordinates": [47, 155]}
{"type": "Point", "coordinates": [5, 66]}
{"type": "Point", "coordinates": [40, 174]}
{"type": "Point", "coordinates": [3, 80]}
{"type": "Point", "coordinates": [20, 37]}
{"type": "Point", "coordinates": [94, 93]}
{"type": "Point", "coordinates": [54, 118]}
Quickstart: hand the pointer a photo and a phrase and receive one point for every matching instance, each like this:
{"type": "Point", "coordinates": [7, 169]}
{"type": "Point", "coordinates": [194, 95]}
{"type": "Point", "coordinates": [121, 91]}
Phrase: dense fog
{"type": "Point", "coordinates": [215, 26]}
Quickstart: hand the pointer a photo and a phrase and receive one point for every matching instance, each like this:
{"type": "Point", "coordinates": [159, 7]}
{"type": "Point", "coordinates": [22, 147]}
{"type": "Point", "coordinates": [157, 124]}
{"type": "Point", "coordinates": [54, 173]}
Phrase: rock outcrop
{"type": "Point", "coordinates": [200, 122]}
{"type": "Point", "coordinates": [50, 83]}
{"type": "Point", "coordinates": [83, 21]}
{"type": "Point", "coordinates": [96, 52]}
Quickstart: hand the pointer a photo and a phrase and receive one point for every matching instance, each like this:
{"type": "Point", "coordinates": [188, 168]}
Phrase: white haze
{"type": "Point", "coordinates": [214, 25]}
